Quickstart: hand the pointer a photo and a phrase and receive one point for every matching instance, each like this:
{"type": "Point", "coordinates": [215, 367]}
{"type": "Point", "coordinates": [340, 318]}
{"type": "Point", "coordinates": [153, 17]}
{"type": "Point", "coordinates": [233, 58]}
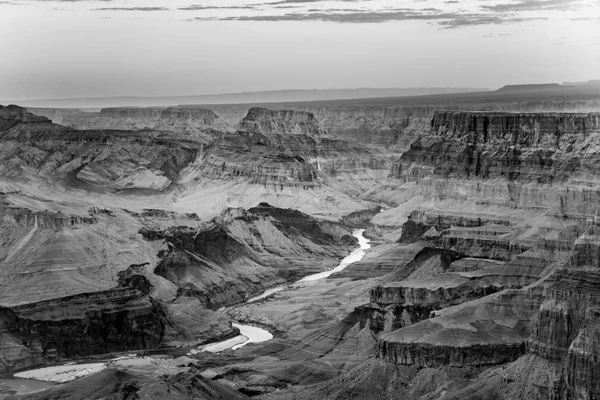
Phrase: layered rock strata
{"type": "Point", "coordinates": [78, 326]}
{"type": "Point", "coordinates": [240, 253]}
{"type": "Point", "coordinates": [489, 331]}
{"type": "Point", "coordinates": [514, 195]}
{"type": "Point", "coordinates": [509, 160]}
{"type": "Point", "coordinates": [99, 160]}
{"type": "Point", "coordinates": [285, 157]}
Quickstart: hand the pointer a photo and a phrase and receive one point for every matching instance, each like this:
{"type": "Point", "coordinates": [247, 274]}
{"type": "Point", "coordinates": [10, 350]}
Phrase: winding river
{"type": "Point", "coordinates": [253, 334]}
{"type": "Point", "coordinates": [31, 381]}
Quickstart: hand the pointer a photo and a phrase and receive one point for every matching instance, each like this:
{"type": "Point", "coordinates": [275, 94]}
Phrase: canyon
{"type": "Point", "coordinates": [137, 237]}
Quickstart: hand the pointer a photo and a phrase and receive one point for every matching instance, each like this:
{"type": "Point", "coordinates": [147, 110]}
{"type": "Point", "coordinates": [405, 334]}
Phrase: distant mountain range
{"type": "Point", "coordinates": [274, 96]}
{"type": "Point", "coordinates": [397, 96]}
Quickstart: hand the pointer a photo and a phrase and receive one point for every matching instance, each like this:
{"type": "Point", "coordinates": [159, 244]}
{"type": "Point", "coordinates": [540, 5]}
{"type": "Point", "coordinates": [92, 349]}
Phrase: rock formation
{"type": "Point", "coordinates": [78, 326]}
{"type": "Point", "coordinates": [482, 281]}
{"type": "Point", "coordinates": [242, 252]}
{"type": "Point", "coordinates": [201, 124]}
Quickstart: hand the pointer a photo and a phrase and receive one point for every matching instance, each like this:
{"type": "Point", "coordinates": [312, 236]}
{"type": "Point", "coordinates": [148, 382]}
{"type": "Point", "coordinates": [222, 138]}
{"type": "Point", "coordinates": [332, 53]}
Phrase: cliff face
{"type": "Point", "coordinates": [47, 219]}
{"type": "Point", "coordinates": [240, 253]}
{"type": "Point", "coordinates": [78, 326]}
{"type": "Point", "coordinates": [118, 118]}
{"type": "Point", "coordinates": [516, 192]}
{"type": "Point", "coordinates": [527, 153]}
{"type": "Point", "coordinates": [466, 335]}
{"type": "Point", "coordinates": [525, 129]}
{"type": "Point", "coordinates": [284, 157]}
{"type": "Point", "coordinates": [287, 122]}
{"type": "Point", "coordinates": [16, 113]}
{"type": "Point", "coordinates": [100, 160]}
{"type": "Point", "coordinates": [201, 124]}
{"type": "Point", "coordinates": [566, 330]}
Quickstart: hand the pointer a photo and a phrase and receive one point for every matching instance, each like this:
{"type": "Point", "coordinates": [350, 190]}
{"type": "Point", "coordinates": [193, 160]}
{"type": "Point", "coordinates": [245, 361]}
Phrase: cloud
{"type": "Point", "coordinates": [195, 7]}
{"type": "Point", "coordinates": [444, 19]}
{"type": "Point", "coordinates": [532, 5]}
{"type": "Point", "coordinates": [473, 20]}
{"type": "Point", "coordinates": [306, 1]}
{"type": "Point", "coordinates": [131, 9]}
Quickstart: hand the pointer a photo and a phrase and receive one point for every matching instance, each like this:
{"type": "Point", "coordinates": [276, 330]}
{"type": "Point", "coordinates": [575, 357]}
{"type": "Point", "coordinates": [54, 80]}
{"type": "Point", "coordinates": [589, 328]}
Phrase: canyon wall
{"type": "Point", "coordinates": [241, 253]}
{"type": "Point", "coordinates": [516, 191]}
{"type": "Point", "coordinates": [79, 326]}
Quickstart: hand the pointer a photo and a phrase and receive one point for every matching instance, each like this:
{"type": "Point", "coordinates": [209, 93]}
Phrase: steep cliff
{"type": "Point", "coordinates": [287, 122]}
{"type": "Point", "coordinates": [528, 155]}
{"type": "Point", "coordinates": [240, 253]}
{"type": "Point", "coordinates": [568, 322]}
{"type": "Point", "coordinates": [39, 150]}
{"type": "Point", "coordinates": [77, 326]}
{"type": "Point", "coordinates": [283, 157]}
{"type": "Point", "coordinates": [514, 191]}
{"type": "Point", "coordinates": [201, 124]}
{"type": "Point", "coordinates": [117, 118]}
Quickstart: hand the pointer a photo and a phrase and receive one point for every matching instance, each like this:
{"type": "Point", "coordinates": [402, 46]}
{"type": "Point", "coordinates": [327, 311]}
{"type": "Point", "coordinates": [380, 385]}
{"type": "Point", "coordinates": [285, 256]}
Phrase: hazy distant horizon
{"type": "Point", "coordinates": [450, 89]}
{"type": "Point", "coordinates": [94, 48]}
{"type": "Point", "coordinates": [278, 96]}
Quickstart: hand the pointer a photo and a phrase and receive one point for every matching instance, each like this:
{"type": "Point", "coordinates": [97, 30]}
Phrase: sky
{"type": "Point", "coordinates": [98, 48]}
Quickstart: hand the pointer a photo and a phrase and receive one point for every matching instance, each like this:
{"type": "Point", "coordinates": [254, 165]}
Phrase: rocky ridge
{"type": "Point", "coordinates": [487, 290]}
{"type": "Point", "coordinates": [516, 174]}
{"type": "Point", "coordinates": [241, 253]}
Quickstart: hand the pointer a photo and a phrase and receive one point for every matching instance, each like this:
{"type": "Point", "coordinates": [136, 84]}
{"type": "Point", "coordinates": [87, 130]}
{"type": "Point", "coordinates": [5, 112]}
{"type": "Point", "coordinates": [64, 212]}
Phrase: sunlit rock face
{"type": "Point", "coordinates": [536, 161]}
{"type": "Point", "coordinates": [486, 277]}
{"type": "Point", "coordinates": [126, 118]}
{"type": "Point", "coordinates": [119, 118]}
{"type": "Point", "coordinates": [202, 124]}
{"type": "Point", "coordinates": [286, 122]}
{"type": "Point", "coordinates": [35, 148]}
{"type": "Point", "coordinates": [287, 154]}
{"type": "Point", "coordinates": [197, 123]}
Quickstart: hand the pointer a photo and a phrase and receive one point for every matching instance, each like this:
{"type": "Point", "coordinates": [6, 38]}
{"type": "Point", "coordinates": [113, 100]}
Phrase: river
{"type": "Point", "coordinates": [30, 381]}
{"type": "Point", "coordinates": [253, 334]}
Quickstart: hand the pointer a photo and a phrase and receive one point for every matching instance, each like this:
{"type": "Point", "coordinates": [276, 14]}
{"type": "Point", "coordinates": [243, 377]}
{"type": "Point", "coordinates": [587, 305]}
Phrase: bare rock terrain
{"type": "Point", "coordinates": [148, 229]}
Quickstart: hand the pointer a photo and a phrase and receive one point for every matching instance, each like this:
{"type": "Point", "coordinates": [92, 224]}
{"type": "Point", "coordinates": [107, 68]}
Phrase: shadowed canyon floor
{"type": "Point", "coordinates": [131, 239]}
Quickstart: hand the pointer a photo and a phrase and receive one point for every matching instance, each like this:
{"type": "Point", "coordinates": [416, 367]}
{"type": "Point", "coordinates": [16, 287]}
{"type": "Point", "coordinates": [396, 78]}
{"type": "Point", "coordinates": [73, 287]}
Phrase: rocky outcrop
{"type": "Point", "coordinates": [44, 219]}
{"type": "Point", "coordinates": [361, 218]}
{"type": "Point", "coordinates": [566, 331]}
{"type": "Point", "coordinates": [524, 129]}
{"type": "Point", "coordinates": [434, 293]}
{"type": "Point", "coordinates": [201, 124]}
{"type": "Point", "coordinates": [241, 253]}
{"type": "Point", "coordinates": [79, 326]}
{"type": "Point", "coordinates": [119, 118]}
{"type": "Point", "coordinates": [12, 114]}
{"type": "Point", "coordinates": [177, 383]}
{"type": "Point", "coordinates": [525, 153]}
{"type": "Point", "coordinates": [287, 153]}
{"type": "Point", "coordinates": [287, 122]}
{"type": "Point", "coordinates": [467, 334]}
{"type": "Point", "coordinates": [94, 160]}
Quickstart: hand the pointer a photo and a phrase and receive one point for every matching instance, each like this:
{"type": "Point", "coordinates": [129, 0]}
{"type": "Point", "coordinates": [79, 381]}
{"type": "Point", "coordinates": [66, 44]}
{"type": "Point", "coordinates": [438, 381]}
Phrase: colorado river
{"type": "Point", "coordinates": [253, 334]}
{"type": "Point", "coordinates": [30, 380]}
{"type": "Point", "coordinates": [353, 257]}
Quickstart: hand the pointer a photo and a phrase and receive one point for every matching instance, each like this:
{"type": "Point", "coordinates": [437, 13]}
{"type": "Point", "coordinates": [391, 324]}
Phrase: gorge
{"type": "Point", "coordinates": [447, 250]}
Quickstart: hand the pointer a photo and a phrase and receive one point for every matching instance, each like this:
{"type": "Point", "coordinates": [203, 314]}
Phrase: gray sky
{"type": "Point", "coordinates": [97, 48]}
